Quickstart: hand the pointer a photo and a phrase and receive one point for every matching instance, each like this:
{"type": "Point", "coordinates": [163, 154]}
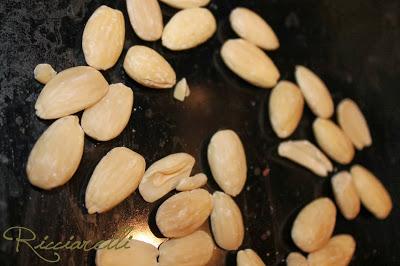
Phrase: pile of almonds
{"type": "Point", "coordinates": [107, 110]}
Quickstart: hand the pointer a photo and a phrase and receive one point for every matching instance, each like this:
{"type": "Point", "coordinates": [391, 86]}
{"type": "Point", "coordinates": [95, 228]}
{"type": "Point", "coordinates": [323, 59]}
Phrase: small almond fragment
{"type": "Point", "coordinates": [195, 249]}
{"type": "Point", "coordinates": [56, 154]}
{"type": "Point", "coordinates": [184, 213]}
{"type": "Point", "coordinates": [315, 92]}
{"type": "Point", "coordinates": [164, 175]}
{"type": "Point", "coordinates": [286, 106]}
{"type": "Point", "coordinates": [333, 141]}
{"type": "Point", "coordinates": [248, 257]}
{"type": "Point", "coordinates": [115, 177]}
{"type": "Point", "coordinates": [149, 68]}
{"type": "Point", "coordinates": [296, 259]}
{"type": "Point", "coordinates": [189, 28]}
{"type": "Point", "coordinates": [346, 195]}
{"type": "Point", "coordinates": [353, 123]}
{"type": "Point", "coordinates": [192, 182]}
{"type": "Point", "coordinates": [313, 226]}
{"type": "Point", "coordinates": [337, 252]}
{"type": "Point", "coordinates": [71, 91]}
{"type": "Point", "coordinates": [373, 194]}
{"type": "Point", "coordinates": [103, 38]}
{"type": "Point", "coordinates": [107, 119]}
{"type": "Point", "coordinates": [227, 161]}
{"type": "Point", "coordinates": [181, 90]}
{"type": "Point", "coordinates": [253, 28]}
{"type": "Point", "coordinates": [226, 222]}
{"type": "Point", "coordinates": [182, 4]}
{"type": "Point", "coordinates": [44, 73]}
{"type": "Point", "coordinates": [250, 63]}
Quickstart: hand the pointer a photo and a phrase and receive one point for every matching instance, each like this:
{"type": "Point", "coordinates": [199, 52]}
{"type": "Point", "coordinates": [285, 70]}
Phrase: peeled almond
{"type": "Point", "coordinates": [181, 4]}
{"type": "Point", "coordinates": [346, 195]}
{"type": "Point", "coordinates": [296, 259]}
{"type": "Point", "coordinates": [192, 182]}
{"type": "Point", "coordinates": [44, 73]}
{"type": "Point", "coordinates": [248, 257]}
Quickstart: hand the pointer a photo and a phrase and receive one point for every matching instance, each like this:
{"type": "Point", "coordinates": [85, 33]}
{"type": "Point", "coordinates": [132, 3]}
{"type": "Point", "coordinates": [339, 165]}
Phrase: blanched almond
{"type": "Point", "coordinates": [56, 154]}
{"type": "Point", "coordinates": [296, 259]}
{"type": "Point", "coordinates": [181, 90]}
{"type": "Point", "coordinates": [164, 175]}
{"type": "Point", "coordinates": [250, 63]}
{"type": "Point", "coordinates": [184, 213]}
{"type": "Point", "coordinates": [107, 119]}
{"type": "Point", "coordinates": [313, 226]}
{"type": "Point", "coordinates": [372, 193]}
{"type": "Point", "coordinates": [44, 73]}
{"type": "Point", "coordinates": [103, 38]}
{"type": "Point", "coordinates": [149, 68]}
{"type": "Point", "coordinates": [333, 141]}
{"type": "Point", "coordinates": [248, 257]}
{"type": "Point", "coordinates": [227, 161]}
{"type": "Point", "coordinates": [192, 182]}
{"type": "Point", "coordinates": [346, 195]}
{"type": "Point", "coordinates": [286, 105]}
{"type": "Point", "coordinates": [115, 177]}
{"type": "Point", "coordinates": [181, 4]}
{"type": "Point", "coordinates": [353, 123]}
{"type": "Point", "coordinates": [226, 222]}
{"type": "Point", "coordinates": [71, 91]}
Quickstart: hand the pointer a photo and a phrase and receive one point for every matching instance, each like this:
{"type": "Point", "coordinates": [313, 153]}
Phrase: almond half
{"type": "Point", "coordinates": [346, 195]}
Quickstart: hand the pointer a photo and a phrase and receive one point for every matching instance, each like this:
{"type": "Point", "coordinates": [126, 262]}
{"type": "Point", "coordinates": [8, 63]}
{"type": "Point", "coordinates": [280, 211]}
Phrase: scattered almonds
{"type": "Point", "coordinates": [193, 182]}
{"type": "Point", "coordinates": [181, 90]}
{"type": "Point", "coordinates": [296, 259]}
{"type": "Point", "coordinates": [181, 4]}
{"type": "Point", "coordinates": [248, 257]}
{"type": "Point", "coordinates": [346, 195]}
{"type": "Point", "coordinates": [44, 73]}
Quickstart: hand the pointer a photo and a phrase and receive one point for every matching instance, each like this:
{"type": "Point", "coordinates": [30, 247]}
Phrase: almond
{"type": "Point", "coordinates": [181, 4]}
{"type": "Point", "coordinates": [248, 257]}
{"type": "Point", "coordinates": [44, 73]}
{"type": "Point", "coordinates": [181, 90]}
{"type": "Point", "coordinates": [193, 182]}
{"type": "Point", "coordinates": [56, 154]}
{"type": "Point", "coordinates": [115, 177]}
{"type": "Point", "coordinates": [346, 195]}
{"type": "Point", "coordinates": [296, 259]}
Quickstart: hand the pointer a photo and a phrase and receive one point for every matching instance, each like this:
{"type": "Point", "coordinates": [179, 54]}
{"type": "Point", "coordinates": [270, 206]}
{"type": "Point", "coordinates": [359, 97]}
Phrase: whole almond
{"type": "Point", "coordinates": [195, 249]}
{"type": "Point", "coordinates": [248, 257]}
{"type": "Point", "coordinates": [149, 68]}
{"type": "Point", "coordinates": [146, 18]}
{"type": "Point", "coordinates": [353, 123]}
{"type": "Point", "coordinates": [164, 175]}
{"type": "Point", "coordinates": [346, 195]}
{"type": "Point", "coordinates": [181, 4]}
{"type": "Point", "coordinates": [252, 27]}
{"type": "Point", "coordinates": [44, 73]}
{"type": "Point", "coordinates": [306, 154]}
{"type": "Point", "coordinates": [192, 182]}
{"type": "Point", "coordinates": [226, 222]}
{"type": "Point", "coordinates": [286, 106]}
{"type": "Point", "coordinates": [189, 28]}
{"type": "Point", "coordinates": [313, 226]}
{"type": "Point", "coordinates": [296, 259]}
{"type": "Point", "coordinates": [115, 177]}
{"type": "Point", "coordinates": [337, 252]}
{"type": "Point", "coordinates": [184, 213]}
{"type": "Point", "coordinates": [250, 63]}
{"type": "Point", "coordinates": [372, 193]}
{"type": "Point", "coordinates": [71, 91]}
{"type": "Point", "coordinates": [227, 161]}
{"type": "Point", "coordinates": [103, 38]}
{"type": "Point", "coordinates": [107, 119]}
{"type": "Point", "coordinates": [56, 154]}
{"type": "Point", "coordinates": [315, 92]}
{"type": "Point", "coordinates": [333, 141]}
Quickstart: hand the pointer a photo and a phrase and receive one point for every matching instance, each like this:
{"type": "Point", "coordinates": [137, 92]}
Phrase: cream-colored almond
{"type": "Point", "coordinates": [189, 28]}
{"type": "Point", "coordinates": [346, 195]}
{"type": "Point", "coordinates": [248, 257]}
{"type": "Point", "coordinates": [181, 90]}
{"type": "Point", "coordinates": [107, 119]}
{"type": "Point", "coordinates": [286, 106]}
{"type": "Point", "coordinates": [226, 222]}
{"type": "Point", "coordinates": [115, 177]}
{"type": "Point", "coordinates": [56, 154]}
{"type": "Point", "coordinates": [313, 226]}
{"type": "Point", "coordinates": [182, 4]}
{"type": "Point", "coordinates": [149, 68]}
{"type": "Point", "coordinates": [373, 194]}
{"type": "Point", "coordinates": [164, 175]}
{"type": "Point", "coordinates": [71, 91]}
{"type": "Point", "coordinates": [195, 249]}
{"type": "Point", "coordinates": [296, 259]}
{"type": "Point", "coordinates": [337, 252]}
{"type": "Point", "coordinates": [184, 213]}
{"type": "Point", "coordinates": [315, 92]}
{"type": "Point", "coordinates": [44, 73]}
{"type": "Point", "coordinates": [353, 123]}
{"type": "Point", "coordinates": [252, 27]}
{"type": "Point", "coordinates": [139, 254]}
{"type": "Point", "coordinates": [103, 38]}
{"type": "Point", "coordinates": [227, 161]}
{"type": "Point", "coordinates": [250, 63]}
{"type": "Point", "coordinates": [146, 19]}
{"type": "Point", "coordinates": [192, 182]}
{"type": "Point", "coordinates": [306, 154]}
{"type": "Point", "coordinates": [333, 141]}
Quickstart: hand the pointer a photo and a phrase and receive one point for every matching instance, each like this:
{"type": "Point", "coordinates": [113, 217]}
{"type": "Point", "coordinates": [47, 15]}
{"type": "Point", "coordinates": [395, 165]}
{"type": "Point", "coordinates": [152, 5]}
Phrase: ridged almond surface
{"type": "Point", "coordinates": [149, 68]}
{"type": "Point", "coordinates": [296, 259]}
{"type": "Point", "coordinates": [346, 195]}
{"type": "Point", "coordinates": [103, 38]}
{"type": "Point", "coordinates": [115, 177]}
{"type": "Point", "coordinates": [250, 63]}
{"type": "Point", "coordinates": [181, 4]}
{"type": "Point", "coordinates": [44, 73]}
{"type": "Point", "coordinates": [248, 257]}
{"type": "Point", "coordinates": [107, 119]}
{"type": "Point", "coordinates": [71, 91]}
{"type": "Point", "coordinates": [192, 182]}
{"type": "Point", "coordinates": [56, 154]}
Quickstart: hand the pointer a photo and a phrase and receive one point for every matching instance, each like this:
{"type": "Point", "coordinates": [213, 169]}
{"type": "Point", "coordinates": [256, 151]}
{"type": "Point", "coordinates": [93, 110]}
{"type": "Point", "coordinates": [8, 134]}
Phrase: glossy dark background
{"type": "Point", "coordinates": [353, 45]}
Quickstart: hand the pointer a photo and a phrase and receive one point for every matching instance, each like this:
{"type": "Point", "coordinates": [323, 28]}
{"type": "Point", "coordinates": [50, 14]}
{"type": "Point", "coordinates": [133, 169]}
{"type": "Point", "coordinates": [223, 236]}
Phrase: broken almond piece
{"type": "Point", "coordinates": [44, 73]}
{"type": "Point", "coordinates": [192, 182]}
{"type": "Point", "coordinates": [181, 90]}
